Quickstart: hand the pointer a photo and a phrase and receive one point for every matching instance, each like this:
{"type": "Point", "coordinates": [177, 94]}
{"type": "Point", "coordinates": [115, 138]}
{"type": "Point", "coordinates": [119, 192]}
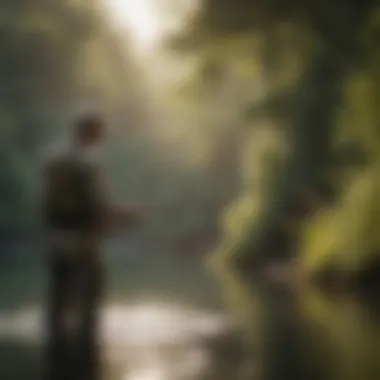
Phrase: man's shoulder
{"type": "Point", "coordinates": [56, 153]}
{"type": "Point", "coordinates": [64, 155]}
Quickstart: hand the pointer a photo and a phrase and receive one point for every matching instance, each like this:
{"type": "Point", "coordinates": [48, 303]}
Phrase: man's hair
{"type": "Point", "coordinates": [90, 118]}
{"type": "Point", "coordinates": [90, 121]}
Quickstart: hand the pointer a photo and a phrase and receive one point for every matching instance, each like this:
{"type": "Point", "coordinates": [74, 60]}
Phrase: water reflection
{"type": "Point", "coordinates": [301, 335]}
{"type": "Point", "coordinates": [143, 341]}
{"type": "Point", "coordinates": [314, 336]}
{"type": "Point", "coordinates": [348, 331]}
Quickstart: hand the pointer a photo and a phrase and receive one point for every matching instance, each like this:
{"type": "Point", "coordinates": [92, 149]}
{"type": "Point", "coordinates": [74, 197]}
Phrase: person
{"type": "Point", "coordinates": [78, 212]}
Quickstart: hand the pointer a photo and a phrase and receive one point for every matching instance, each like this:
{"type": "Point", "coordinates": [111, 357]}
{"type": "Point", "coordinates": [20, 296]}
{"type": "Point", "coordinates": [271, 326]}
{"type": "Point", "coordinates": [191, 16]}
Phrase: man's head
{"type": "Point", "coordinates": [90, 129]}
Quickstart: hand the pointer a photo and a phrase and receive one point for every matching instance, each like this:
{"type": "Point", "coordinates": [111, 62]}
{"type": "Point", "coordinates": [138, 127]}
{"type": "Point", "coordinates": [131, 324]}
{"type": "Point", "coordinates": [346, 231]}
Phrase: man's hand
{"type": "Point", "coordinates": [128, 216]}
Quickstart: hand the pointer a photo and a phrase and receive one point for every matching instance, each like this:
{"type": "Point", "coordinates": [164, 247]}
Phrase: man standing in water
{"type": "Point", "coordinates": [77, 213]}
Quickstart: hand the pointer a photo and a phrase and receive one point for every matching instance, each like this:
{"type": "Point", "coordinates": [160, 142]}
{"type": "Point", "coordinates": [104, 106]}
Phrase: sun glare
{"type": "Point", "coordinates": [139, 16]}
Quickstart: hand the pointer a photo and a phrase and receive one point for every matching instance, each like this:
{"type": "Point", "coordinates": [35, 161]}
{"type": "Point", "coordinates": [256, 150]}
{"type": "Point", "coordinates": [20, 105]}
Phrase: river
{"type": "Point", "coordinates": [168, 323]}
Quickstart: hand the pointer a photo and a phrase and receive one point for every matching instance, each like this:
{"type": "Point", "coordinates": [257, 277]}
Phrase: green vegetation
{"type": "Point", "coordinates": [305, 79]}
{"type": "Point", "coordinates": [278, 119]}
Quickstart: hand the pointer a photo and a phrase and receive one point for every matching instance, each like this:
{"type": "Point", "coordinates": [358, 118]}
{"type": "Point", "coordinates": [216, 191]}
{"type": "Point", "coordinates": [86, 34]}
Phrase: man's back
{"type": "Point", "coordinates": [74, 199]}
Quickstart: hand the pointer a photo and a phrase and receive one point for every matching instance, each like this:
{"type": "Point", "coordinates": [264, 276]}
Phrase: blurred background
{"type": "Point", "coordinates": [252, 128]}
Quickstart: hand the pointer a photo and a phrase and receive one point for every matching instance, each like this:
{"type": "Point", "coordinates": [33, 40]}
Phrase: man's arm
{"type": "Point", "coordinates": [120, 216]}
{"type": "Point", "coordinates": [126, 216]}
